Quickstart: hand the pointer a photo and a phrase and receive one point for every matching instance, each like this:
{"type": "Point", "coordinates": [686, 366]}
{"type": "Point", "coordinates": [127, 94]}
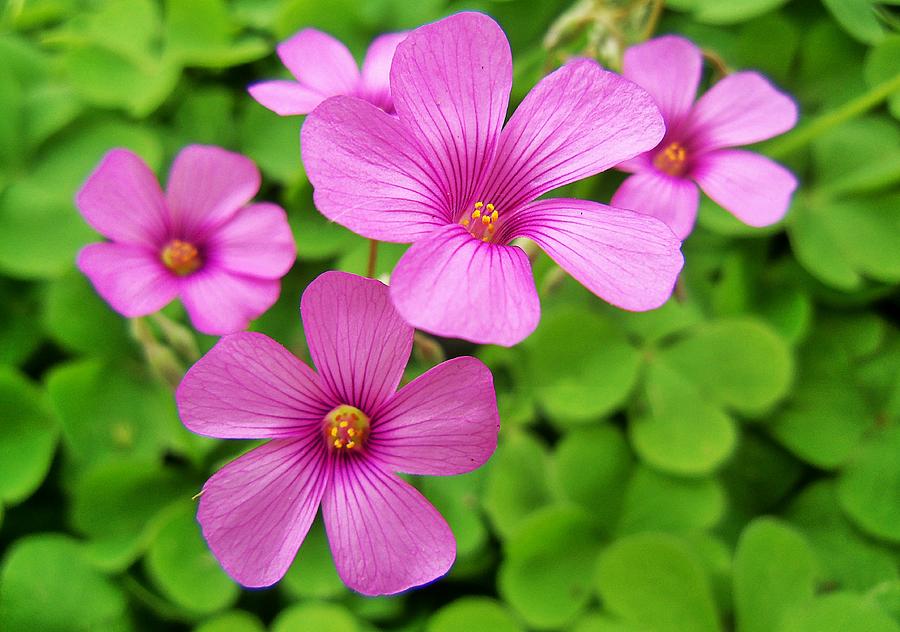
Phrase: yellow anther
{"type": "Point", "coordinates": [478, 205]}
{"type": "Point", "coordinates": [334, 432]}
{"type": "Point", "coordinates": [476, 214]}
{"type": "Point", "coordinates": [344, 424]}
{"type": "Point", "coordinates": [494, 216]}
{"type": "Point", "coordinates": [351, 444]}
{"type": "Point", "coordinates": [490, 207]}
{"type": "Point", "coordinates": [346, 427]}
{"type": "Point", "coordinates": [338, 443]}
{"type": "Point", "coordinates": [465, 222]}
{"type": "Point", "coordinates": [351, 432]}
{"type": "Point", "coordinates": [486, 219]}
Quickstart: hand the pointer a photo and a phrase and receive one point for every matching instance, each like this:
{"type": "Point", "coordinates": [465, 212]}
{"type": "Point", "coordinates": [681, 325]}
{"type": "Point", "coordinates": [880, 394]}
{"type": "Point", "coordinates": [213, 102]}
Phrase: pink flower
{"type": "Point", "coordinates": [325, 68]}
{"type": "Point", "coordinates": [446, 175]}
{"type": "Point", "coordinates": [337, 437]}
{"type": "Point", "coordinates": [200, 240]}
{"type": "Point", "coordinates": [740, 109]}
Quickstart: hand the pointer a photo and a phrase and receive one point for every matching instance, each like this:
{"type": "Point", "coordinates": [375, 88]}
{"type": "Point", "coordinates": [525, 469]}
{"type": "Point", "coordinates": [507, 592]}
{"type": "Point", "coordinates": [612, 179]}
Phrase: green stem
{"type": "Point", "coordinates": [802, 136]}
{"type": "Point", "coordinates": [156, 604]}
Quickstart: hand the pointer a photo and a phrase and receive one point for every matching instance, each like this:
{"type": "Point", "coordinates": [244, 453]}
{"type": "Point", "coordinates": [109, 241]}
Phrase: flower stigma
{"type": "Point", "coordinates": [181, 257]}
{"type": "Point", "coordinates": [346, 428]}
{"type": "Point", "coordinates": [672, 160]}
{"type": "Point", "coordinates": [482, 223]}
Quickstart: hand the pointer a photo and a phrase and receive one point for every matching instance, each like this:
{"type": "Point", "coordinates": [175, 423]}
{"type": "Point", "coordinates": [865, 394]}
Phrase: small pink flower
{"type": "Point", "coordinates": [200, 240]}
{"type": "Point", "coordinates": [448, 176]}
{"type": "Point", "coordinates": [325, 68]}
{"type": "Point", "coordinates": [337, 437]}
{"type": "Point", "coordinates": [740, 109]}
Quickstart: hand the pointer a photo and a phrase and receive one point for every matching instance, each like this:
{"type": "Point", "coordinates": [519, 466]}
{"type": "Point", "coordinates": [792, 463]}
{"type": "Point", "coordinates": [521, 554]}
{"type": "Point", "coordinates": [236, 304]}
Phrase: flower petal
{"type": "Point", "coordinates": [578, 121]}
{"type": "Point", "coordinates": [256, 242]}
{"type": "Point", "coordinates": [442, 423]}
{"type": "Point", "coordinates": [385, 536]}
{"type": "Point", "coordinates": [122, 200]}
{"type": "Point", "coordinates": [740, 109]}
{"type": "Point", "coordinates": [452, 284]}
{"type": "Point", "coordinates": [376, 70]}
{"type": "Point", "coordinates": [207, 186]}
{"type": "Point", "coordinates": [250, 387]}
{"type": "Point", "coordinates": [131, 279]}
{"type": "Point", "coordinates": [286, 98]}
{"type": "Point", "coordinates": [356, 338]}
{"type": "Point", "coordinates": [754, 188]}
{"type": "Point", "coordinates": [669, 68]}
{"type": "Point", "coordinates": [672, 200]}
{"type": "Point", "coordinates": [321, 62]}
{"type": "Point", "coordinates": [451, 82]}
{"type": "Point", "coordinates": [256, 511]}
{"type": "Point", "coordinates": [627, 259]}
{"type": "Point", "coordinates": [220, 302]}
{"type": "Point", "coordinates": [367, 172]}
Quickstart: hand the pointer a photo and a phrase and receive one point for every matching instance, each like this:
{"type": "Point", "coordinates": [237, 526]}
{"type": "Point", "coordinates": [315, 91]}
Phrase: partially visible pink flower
{"type": "Point", "coordinates": [201, 240]}
{"type": "Point", "coordinates": [446, 175]}
{"type": "Point", "coordinates": [741, 109]}
{"type": "Point", "coordinates": [325, 68]}
{"type": "Point", "coordinates": [337, 439]}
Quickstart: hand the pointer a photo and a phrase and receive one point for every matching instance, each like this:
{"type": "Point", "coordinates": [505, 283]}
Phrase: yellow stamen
{"type": "Point", "coordinates": [351, 444]}
{"type": "Point", "coordinates": [490, 207]}
{"type": "Point", "coordinates": [478, 205]}
{"type": "Point", "coordinates": [476, 214]}
{"type": "Point", "coordinates": [181, 257]}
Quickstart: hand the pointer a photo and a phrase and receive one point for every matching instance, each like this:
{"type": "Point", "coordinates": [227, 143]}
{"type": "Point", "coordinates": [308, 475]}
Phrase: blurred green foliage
{"type": "Point", "coordinates": [730, 461]}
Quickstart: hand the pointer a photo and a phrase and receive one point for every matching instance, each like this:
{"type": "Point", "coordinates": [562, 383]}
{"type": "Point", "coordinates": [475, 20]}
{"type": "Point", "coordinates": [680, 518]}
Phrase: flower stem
{"type": "Point", "coordinates": [373, 258]}
{"type": "Point", "coordinates": [802, 136]}
{"type": "Point", "coordinates": [157, 605]}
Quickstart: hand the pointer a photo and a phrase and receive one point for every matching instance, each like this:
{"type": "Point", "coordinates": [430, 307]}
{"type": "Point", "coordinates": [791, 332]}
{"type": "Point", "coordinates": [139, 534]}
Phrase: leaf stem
{"type": "Point", "coordinates": [373, 258]}
{"type": "Point", "coordinates": [802, 136]}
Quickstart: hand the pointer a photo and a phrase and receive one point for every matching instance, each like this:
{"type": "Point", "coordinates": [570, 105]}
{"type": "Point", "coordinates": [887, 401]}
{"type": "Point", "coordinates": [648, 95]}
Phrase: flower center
{"type": "Point", "coordinates": [346, 428]}
{"type": "Point", "coordinates": [482, 222]}
{"type": "Point", "coordinates": [181, 257]}
{"type": "Point", "coordinates": [671, 160]}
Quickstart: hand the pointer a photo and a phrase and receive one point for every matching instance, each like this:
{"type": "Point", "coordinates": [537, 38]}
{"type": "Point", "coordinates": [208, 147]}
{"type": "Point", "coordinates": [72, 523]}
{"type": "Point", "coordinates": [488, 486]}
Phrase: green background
{"type": "Point", "coordinates": [730, 461]}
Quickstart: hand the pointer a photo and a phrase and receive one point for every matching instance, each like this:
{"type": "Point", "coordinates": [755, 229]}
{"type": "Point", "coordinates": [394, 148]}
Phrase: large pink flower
{"type": "Point", "coordinates": [446, 175]}
{"type": "Point", "coordinates": [201, 240]}
{"type": "Point", "coordinates": [740, 109]}
{"type": "Point", "coordinates": [325, 68]}
{"type": "Point", "coordinates": [337, 439]}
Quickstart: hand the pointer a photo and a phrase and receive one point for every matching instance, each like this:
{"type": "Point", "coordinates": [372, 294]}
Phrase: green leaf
{"type": "Point", "coordinates": [882, 64]}
{"type": "Point", "coordinates": [733, 12]}
{"type": "Point", "coordinates": [201, 32]}
{"type": "Point", "coordinates": [109, 410]}
{"type": "Point", "coordinates": [180, 564]}
{"type": "Point", "coordinates": [315, 617]}
{"type": "Point", "coordinates": [573, 384]}
{"type": "Point", "coordinates": [516, 484]}
{"type": "Point", "coordinates": [774, 570]}
{"type": "Point", "coordinates": [11, 141]}
{"type": "Point", "coordinates": [515, 400]}
{"type": "Point", "coordinates": [273, 142]}
{"type": "Point", "coordinates": [312, 574]}
{"type": "Point", "coordinates": [680, 432]}
{"type": "Point", "coordinates": [546, 575]}
{"type": "Point", "coordinates": [232, 621]}
{"type": "Point", "coordinates": [838, 612]}
{"type": "Point", "coordinates": [656, 502]}
{"type": "Point", "coordinates": [20, 331]}
{"type": "Point", "coordinates": [28, 435]}
{"type": "Point", "coordinates": [596, 483]}
{"type": "Point", "coordinates": [653, 580]}
{"type": "Point", "coordinates": [869, 487]}
{"type": "Point", "coordinates": [457, 500]}
{"type": "Point", "coordinates": [471, 613]}
{"type": "Point", "coordinates": [78, 319]}
{"type": "Point", "coordinates": [859, 18]}
{"type": "Point", "coordinates": [740, 364]}
{"type": "Point", "coordinates": [47, 584]}
{"type": "Point", "coordinates": [602, 623]}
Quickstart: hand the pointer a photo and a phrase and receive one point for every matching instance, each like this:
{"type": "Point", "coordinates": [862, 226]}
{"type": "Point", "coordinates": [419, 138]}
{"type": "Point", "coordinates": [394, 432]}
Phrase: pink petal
{"type": "Point", "coordinates": [250, 387]}
{"type": "Point", "coordinates": [669, 68]}
{"type": "Point", "coordinates": [754, 188]}
{"type": "Point", "coordinates": [356, 338]}
{"type": "Point", "coordinates": [320, 62]}
{"type": "Point", "coordinates": [368, 174]}
{"type": "Point", "coordinates": [220, 302]}
{"type": "Point", "coordinates": [451, 82]}
{"type": "Point", "coordinates": [444, 422]}
{"type": "Point", "coordinates": [578, 121]}
{"type": "Point", "coordinates": [122, 200]}
{"type": "Point", "coordinates": [742, 108]}
{"type": "Point", "coordinates": [207, 185]}
{"type": "Point", "coordinates": [672, 200]}
{"type": "Point", "coordinates": [384, 536]}
{"type": "Point", "coordinates": [454, 285]}
{"type": "Point", "coordinates": [628, 259]}
{"type": "Point", "coordinates": [131, 279]}
{"type": "Point", "coordinates": [256, 511]}
{"type": "Point", "coordinates": [285, 98]}
{"type": "Point", "coordinates": [256, 242]}
{"type": "Point", "coordinates": [376, 70]}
